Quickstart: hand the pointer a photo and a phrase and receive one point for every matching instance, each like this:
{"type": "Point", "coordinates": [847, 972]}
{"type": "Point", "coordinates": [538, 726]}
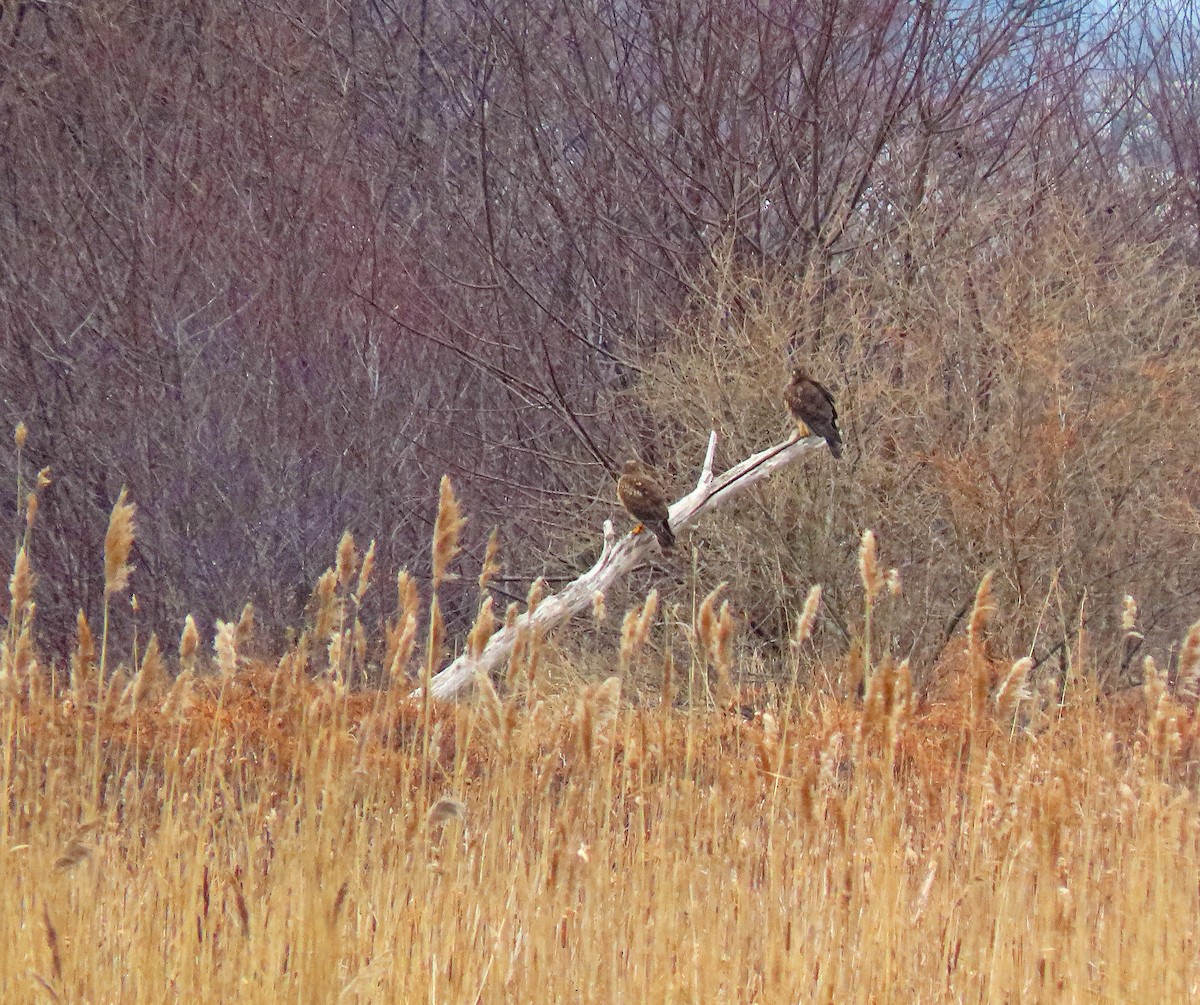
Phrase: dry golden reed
{"type": "Point", "coordinates": [705, 622]}
{"type": "Point", "coordinates": [491, 560]}
{"type": "Point", "coordinates": [482, 630]}
{"type": "Point", "coordinates": [767, 744]}
{"type": "Point", "coordinates": [336, 654]}
{"type": "Point", "coordinates": [665, 694]}
{"type": "Point", "coordinates": [118, 543]}
{"type": "Point", "coordinates": [1129, 615]}
{"type": "Point", "coordinates": [435, 640]}
{"type": "Point", "coordinates": [446, 529]}
{"type": "Point", "coordinates": [981, 613]}
{"type": "Point", "coordinates": [23, 660]}
{"type": "Point", "coordinates": [401, 650]}
{"type": "Point", "coordinates": [1012, 691]}
{"type": "Point", "coordinates": [346, 562]}
{"type": "Point", "coordinates": [20, 434]}
{"type": "Point", "coordinates": [358, 643]}
{"type": "Point", "coordinates": [635, 630]}
{"type": "Point", "coordinates": [1154, 685]}
{"type": "Point", "coordinates": [327, 605]}
{"type": "Point", "coordinates": [225, 646]}
{"type": "Point", "coordinates": [150, 678]}
{"type": "Point", "coordinates": [245, 626]}
{"type": "Point", "coordinates": [877, 700]}
{"type": "Point", "coordinates": [83, 659]}
{"type": "Point", "coordinates": [979, 668]}
{"type": "Point", "coordinates": [491, 707]}
{"type": "Point", "coordinates": [189, 641]}
{"type": "Point", "coordinates": [364, 573]}
{"type": "Point", "coordinates": [1162, 732]}
{"type": "Point", "coordinates": [408, 598]}
{"type": "Point", "coordinates": [901, 712]}
{"type": "Point", "coordinates": [808, 616]}
{"type": "Point", "coordinates": [179, 697]}
{"type": "Point", "coordinates": [1187, 678]}
{"type": "Point", "coordinates": [20, 587]}
{"type": "Point", "coordinates": [536, 594]}
{"type": "Point", "coordinates": [868, 566]}
{"type": "Point", "coordinates": [594, 709]}
{"type": "Point", "coordinates": [722, 650]}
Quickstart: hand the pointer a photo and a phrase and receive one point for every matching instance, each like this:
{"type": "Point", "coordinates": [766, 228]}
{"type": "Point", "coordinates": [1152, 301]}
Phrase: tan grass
{"type": "Point", "coordinates": [269, 835]}
{"type": "Point", "coordinates": [600, 854]}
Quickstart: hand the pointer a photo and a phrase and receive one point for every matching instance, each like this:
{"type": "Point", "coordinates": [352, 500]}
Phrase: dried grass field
{"type": "Point", "coordinates": [263, 832]}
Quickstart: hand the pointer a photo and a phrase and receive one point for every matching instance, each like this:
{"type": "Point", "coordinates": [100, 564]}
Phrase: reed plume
{"type": "Point", "coordinates": [83, 659]}
{"type": "Point", "coordinates": [31, 508]}
{"type": "Point", "coordinates": [1187, 678]}
{"type": "Point", "coordinates": [364, 574]}
{"type": "Point", "coordinates": [401, 649]}
{"type": "Point", "coordinates": [20, 434]}
{"type": "Point", "coordinates": [446, 528]}
{"type": "Point", "coordinates": [808, 617]}
{"type": "Point", "coordinates": [482, 630]}
{"type": "Point", "coordinates": [1012, 691]}
{"type": "Point", "coordinates": [595, 707]}
{"type": "Point", "coordinates": [873, 585]}
{"type": "Point", "coordinates": [491, 560]}
{"type": "Point", "coordinates": [225, 646]}
{"type": "Point", "coordinates": [20, 589]}
{"type": "Point", "coordinates": [635, 629]}
{"type": "Point", "coordinates": [244, 631]}
{"type": "Point", "coordinates": [189, 641]}
{"type": "Point", "coordinates": [328, 608]}
{"type": "Point", "coordinates": [978, 667]}
{"type": "Point", "coordinates": [868, 566]}
{"type": "Point", "coordinates": [151, 676]}
{"type": "Point", "coordinates": [118, 543]}
{"type": "Point", "coordinates": [347, 560]}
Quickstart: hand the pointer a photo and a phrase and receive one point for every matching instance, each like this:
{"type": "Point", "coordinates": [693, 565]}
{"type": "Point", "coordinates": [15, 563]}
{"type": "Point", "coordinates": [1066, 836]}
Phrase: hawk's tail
{"type": "Point", "coordinates": [834, 439]}
{"type": "Point", "coordinates": [666, 538]}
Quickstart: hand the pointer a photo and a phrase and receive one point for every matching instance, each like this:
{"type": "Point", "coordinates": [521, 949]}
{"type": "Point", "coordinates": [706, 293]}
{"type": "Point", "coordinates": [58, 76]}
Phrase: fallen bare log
{"type": "Point", "coordinates": [619, 557]}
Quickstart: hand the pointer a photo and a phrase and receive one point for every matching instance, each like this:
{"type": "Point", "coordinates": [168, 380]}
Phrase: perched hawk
{"type": "Point", "coordinates": [645, 500]}
{"type": "Point", "coordinates": [811, 405]}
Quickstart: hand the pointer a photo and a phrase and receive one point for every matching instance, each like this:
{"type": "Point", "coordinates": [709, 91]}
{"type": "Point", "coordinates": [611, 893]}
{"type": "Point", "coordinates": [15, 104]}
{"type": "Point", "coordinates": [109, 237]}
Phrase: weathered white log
{"type": "Point", "coordinates": [619, 557]}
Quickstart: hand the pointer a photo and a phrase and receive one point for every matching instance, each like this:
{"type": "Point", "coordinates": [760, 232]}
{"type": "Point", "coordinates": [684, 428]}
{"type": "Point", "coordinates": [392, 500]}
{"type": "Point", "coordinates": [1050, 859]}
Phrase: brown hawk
{"type": "Point", "coordinates": [646, 501]}
{"type": "Point", "coordinates": [811, 405]}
